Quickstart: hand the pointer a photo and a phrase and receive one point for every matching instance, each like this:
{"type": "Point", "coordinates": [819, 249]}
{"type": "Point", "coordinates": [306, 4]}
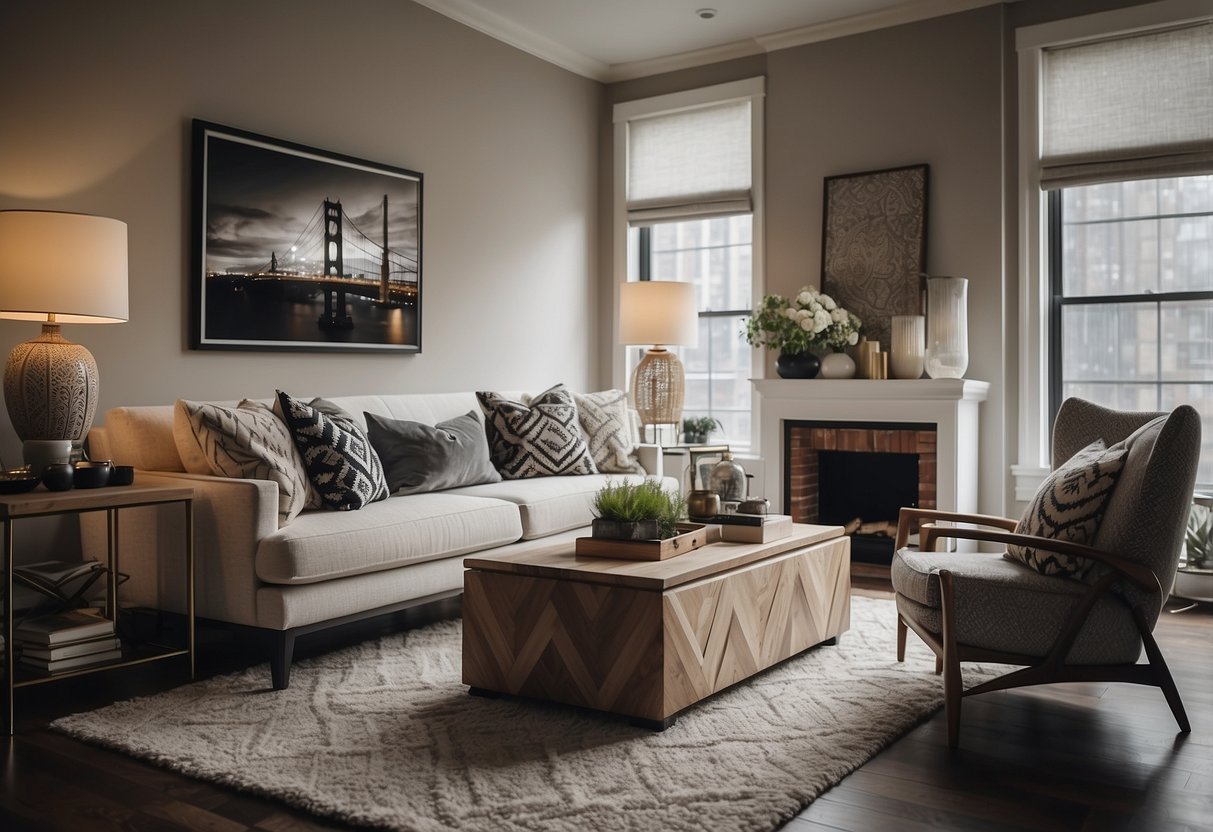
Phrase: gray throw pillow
{"type": "Point", "coordinates": [418, 458]}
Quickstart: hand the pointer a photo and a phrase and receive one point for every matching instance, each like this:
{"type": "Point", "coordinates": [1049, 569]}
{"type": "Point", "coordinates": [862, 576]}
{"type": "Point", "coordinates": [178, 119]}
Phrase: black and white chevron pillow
{"type": "Point", "coordinates": [1069, 506]}
{"type": "Point", "coordinates": [541, 439]}
{"type": "Point", "coordinates": [342, 465]}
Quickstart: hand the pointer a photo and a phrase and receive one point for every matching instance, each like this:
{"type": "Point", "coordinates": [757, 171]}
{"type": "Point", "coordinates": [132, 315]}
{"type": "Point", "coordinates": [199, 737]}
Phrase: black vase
{"type": "Point", "coordinates": [797, 365]}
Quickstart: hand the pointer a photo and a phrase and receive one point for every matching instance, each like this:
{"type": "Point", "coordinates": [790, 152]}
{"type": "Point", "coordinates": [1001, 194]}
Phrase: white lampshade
{"type": "Point", "coordinates": [658, 312]}
{"type": "Point", "coordinates": [57, 268]}
{"type": "Point", "coordinates": [72, 266]}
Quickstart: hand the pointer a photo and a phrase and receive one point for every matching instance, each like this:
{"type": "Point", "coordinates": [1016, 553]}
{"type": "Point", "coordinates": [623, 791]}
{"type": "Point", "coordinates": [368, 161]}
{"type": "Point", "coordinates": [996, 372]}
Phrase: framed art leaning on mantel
{"type": "Point", "coordinates": [874, 245]}
{"type": "Point", "coordinates": [296, 248]}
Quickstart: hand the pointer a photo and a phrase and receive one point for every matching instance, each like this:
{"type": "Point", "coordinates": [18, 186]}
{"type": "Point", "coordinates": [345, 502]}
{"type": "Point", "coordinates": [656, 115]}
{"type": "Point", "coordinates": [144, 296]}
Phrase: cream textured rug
{"type": "Point", "coordinates": [384, 734]}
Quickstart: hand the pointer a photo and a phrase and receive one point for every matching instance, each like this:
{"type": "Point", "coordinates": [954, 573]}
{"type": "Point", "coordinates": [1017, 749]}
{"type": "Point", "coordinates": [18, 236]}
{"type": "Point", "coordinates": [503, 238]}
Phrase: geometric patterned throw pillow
{"type": "Point", "coordinates": [342, 465]}
{"type": "Point", "coordinates": [604, 421]}
{"type": "Point", "coordinates": [1069, 506]}
{"type": "Point", "coordinates": [541, 439]}
{"type": "Point", "coordinates": [245, 442]}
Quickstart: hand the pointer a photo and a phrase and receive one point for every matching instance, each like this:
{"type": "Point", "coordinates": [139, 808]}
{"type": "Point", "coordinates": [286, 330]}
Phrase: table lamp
{"type": "Point", "coordinates": [57, 268]}
{"type": "Point", "coordinates": [657, 314]}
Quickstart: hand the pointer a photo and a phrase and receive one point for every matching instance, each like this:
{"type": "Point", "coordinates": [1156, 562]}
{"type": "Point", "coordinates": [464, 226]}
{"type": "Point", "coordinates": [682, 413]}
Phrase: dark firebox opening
{"type": "Point", "coordinates": [870, 486]}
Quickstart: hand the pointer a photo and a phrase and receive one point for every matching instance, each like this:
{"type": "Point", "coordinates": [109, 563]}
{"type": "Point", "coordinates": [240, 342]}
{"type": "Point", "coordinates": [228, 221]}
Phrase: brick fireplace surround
{"type": "Point", "coordinates": [802, 461]}
{"type": "Point", "coordinates": [950, 406]}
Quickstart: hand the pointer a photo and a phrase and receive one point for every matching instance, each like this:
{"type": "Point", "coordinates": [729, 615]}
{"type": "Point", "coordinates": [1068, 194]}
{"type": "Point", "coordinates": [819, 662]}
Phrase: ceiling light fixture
{"type": "Point", "coordinates": [706, 14]}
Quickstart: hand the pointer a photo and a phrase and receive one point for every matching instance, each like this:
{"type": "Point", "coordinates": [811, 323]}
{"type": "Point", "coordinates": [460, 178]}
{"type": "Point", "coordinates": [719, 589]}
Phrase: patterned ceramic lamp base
{"type": "Point", "coordinates": [50, 387]}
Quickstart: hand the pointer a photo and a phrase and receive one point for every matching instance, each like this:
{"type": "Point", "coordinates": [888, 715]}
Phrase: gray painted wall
{"type": "Point", "coordinates": [924, 92]}
{"type": "Point", "coordinates": [94, 117]}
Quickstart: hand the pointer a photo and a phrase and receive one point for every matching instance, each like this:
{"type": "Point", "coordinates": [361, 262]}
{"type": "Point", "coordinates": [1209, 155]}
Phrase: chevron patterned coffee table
{"type": "Point", "coordinates": [648, 639]}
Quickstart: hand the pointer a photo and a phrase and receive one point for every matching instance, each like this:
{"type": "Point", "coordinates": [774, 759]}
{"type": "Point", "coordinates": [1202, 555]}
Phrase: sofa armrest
{"type": "Point", "coordinates": [231, 517]}
{"type": "Point", "coordinates": [649, 457]}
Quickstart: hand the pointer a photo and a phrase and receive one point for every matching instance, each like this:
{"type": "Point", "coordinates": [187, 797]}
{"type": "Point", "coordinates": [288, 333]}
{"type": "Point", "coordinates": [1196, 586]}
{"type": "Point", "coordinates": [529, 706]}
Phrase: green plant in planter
{"type": "Point", "coordinates": [625, 502]}
{"type": "Point", "coordinates": [697, 429]}
{"type": "Point", "coordinates": [1199, 538]}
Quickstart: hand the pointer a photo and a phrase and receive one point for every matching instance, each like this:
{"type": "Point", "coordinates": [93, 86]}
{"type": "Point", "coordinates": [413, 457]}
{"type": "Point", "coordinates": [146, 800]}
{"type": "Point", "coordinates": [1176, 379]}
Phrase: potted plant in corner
{"type": "Point", "coordinates": [1194, 580]}
{"type": "Point", "coordinates": [796, 327]}
{"type": "Point", "coordinates": [636, 511]}
{"type": "Point", "coordinates": [697, 429]}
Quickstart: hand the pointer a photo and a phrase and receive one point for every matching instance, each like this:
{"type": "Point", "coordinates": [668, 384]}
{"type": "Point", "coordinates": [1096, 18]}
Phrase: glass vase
{"type": "Point", "coordinates": [907, 354]}
{"type": "Point", "coordinates": [947, 352]}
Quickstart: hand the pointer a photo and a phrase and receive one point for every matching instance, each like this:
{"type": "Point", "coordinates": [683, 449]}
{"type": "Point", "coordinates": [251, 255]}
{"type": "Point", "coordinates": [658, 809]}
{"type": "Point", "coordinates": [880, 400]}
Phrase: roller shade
{"type": "Point", "coordinates": [1134, 107]}
{"type": "Point", "coordinates": [688, 164]}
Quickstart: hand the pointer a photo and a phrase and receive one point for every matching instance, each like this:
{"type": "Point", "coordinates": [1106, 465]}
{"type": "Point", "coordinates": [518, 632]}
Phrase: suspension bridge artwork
{"type": "Point", "coordinates": [301, 249]}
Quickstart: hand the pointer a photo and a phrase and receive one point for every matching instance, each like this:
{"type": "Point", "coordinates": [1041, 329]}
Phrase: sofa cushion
{"type": "Point", "coordinates": [1069, 506]}
{"type": "Point", "coordinates": [140, 436]}
{"type": "Point", "coordinates": [321, 545]}
{"type": "Point", "coordinates": [244, 442]}
{"type": "Point", "coordinates": [341, 464]}
{"type": "Point", "coordinates": [418, 458]}
{"type": "Point", "coordinates": [552, 504]}
{"type": "Point", "coordinates": [607, 428]}
{"type": "Point", "coordinates": [1004, 605]}
{"type": "Point", "coordinates": [536, 440]}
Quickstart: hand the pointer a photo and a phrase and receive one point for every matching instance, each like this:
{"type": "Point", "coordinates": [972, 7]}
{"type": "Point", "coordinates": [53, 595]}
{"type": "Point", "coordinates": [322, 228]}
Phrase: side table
{"type": "Point", "coordinates": [111, 500]}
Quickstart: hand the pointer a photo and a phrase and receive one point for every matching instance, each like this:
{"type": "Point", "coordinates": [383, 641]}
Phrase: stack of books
{"type": "Point", "coordinates": [753, 528]}
{"type": "Point", "coordinates": [66, 641]}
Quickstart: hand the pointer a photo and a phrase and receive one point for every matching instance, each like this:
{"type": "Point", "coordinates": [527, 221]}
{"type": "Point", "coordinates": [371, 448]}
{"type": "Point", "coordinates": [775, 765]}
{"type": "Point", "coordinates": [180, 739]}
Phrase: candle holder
{"type": "Point", "coordinates": [908, 348]}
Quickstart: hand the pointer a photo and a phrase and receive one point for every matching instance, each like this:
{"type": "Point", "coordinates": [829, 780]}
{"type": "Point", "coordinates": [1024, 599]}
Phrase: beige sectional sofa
{"type": "Point", "coordinates": [324, 567]}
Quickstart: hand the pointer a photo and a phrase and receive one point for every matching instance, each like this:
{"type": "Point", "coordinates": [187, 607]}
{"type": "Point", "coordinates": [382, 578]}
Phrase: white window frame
{"type": "Point", "coordinates": [753, 89]}
{"type": "Point", "coordinates": [1030, 42]}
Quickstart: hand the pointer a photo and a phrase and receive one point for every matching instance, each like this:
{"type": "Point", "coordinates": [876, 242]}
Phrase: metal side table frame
{"type": "Point", "coordinates": [112, 500]}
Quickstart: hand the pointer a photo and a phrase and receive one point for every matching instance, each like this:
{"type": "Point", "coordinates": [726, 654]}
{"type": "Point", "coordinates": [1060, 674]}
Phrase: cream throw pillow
{"type": "Point", "coordinates": [604, 421]}
{"type": "Point", "coordinates": [245, 442]}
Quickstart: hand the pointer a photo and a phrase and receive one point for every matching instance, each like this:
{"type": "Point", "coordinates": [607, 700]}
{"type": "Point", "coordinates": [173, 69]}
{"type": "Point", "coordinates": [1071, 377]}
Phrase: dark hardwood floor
{"type": "Point", "coordinates": [1080, 757]}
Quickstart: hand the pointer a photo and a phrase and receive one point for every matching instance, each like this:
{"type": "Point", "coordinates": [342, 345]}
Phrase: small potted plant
{"type": "Point", "coordinates": [1194, 580]}
{"type": "Point", "coordinates": [697, 429]}
{"type": "Point", "coordinates": [637, 511]}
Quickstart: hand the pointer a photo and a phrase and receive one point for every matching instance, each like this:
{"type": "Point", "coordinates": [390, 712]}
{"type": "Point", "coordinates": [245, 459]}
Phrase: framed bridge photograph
{"type": "Point", "coordinates": [296, 248]}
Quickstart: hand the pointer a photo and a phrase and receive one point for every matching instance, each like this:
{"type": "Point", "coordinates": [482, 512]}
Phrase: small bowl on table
{"type": "Point", "coordinates": [94, 474]}
{"type": "Point", "coordinates": [122, 475]}
{"type": "Point", "coordinates": [18, 480]}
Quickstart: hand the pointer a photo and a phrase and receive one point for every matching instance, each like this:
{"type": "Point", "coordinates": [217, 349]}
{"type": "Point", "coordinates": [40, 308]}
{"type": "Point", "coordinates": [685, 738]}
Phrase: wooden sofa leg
{"type": "Point", "coordinates": [901, 639]}
{"type": "Point", "coordinates": [281, 652]}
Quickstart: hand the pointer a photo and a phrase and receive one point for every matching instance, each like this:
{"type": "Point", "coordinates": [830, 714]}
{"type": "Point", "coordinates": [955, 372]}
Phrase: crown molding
{"type": "Point", "coordinates": [506, 31]}
{"type": "Point", "coordinates": [870, 21]}
{"type": "Point", "coordinates": [495, 26]}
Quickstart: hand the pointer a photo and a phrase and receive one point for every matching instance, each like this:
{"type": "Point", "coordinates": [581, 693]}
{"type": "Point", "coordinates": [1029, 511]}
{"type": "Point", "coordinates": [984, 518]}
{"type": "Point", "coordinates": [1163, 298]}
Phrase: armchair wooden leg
{"type": "Point", "coordinates": [1163, 675]}
{"type": "Point", "coordinates": [901, 639]}
{"type": "Point", "coordinates": [938, 665]}
{"type": "Point", "coordinates": [953, 688]}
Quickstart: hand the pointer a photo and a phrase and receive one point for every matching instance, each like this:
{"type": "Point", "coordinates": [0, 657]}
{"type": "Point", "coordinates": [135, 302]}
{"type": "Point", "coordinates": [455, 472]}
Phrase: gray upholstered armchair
{"type": "Point", "coordinates": [987, 607]}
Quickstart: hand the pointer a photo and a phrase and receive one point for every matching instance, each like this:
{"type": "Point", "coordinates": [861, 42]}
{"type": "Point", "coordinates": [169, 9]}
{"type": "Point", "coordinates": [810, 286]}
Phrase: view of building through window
{"type": "Point", "coordinates": [716, 255]}
{"type": "Point", "coordinates": [1132, 286]}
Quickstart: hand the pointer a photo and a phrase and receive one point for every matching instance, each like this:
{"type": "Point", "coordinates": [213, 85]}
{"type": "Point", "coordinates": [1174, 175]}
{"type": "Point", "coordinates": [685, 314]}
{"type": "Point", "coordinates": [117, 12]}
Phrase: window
{"type": "Point", "coordinates": [1131, 271]}
{"type": "Point", "coordinates": [717, 255]}
{"type": "Point", "coordinates": [688, 202]}
{"type": "Point", "coordinates": [1115, 254]}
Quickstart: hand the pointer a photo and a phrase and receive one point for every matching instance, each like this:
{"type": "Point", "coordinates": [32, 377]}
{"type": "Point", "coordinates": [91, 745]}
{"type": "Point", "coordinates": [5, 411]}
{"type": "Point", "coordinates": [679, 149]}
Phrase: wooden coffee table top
{"type": "Point", "coordinates": [559, 561]}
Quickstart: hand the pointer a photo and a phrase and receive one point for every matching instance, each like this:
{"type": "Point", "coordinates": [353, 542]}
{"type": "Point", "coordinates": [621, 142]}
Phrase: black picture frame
{"type": "Point", "coordinates": [874, 244]}
{"type": "Point", "coordinates": [289, 244]}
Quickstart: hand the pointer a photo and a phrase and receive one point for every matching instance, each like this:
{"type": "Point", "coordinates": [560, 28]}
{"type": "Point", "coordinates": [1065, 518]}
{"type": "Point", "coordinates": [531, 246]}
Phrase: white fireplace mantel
{"type": "Point", "coordinates": [950, 404]}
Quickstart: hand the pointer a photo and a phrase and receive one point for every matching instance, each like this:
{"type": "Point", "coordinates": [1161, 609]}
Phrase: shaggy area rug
{"type": "Point", "coordinates": [384, 734]}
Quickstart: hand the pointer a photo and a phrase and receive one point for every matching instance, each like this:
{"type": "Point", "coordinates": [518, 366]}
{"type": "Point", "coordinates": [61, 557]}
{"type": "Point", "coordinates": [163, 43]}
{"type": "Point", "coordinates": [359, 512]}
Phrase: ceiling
{"type": "Point", "coordinates": [612, 40]}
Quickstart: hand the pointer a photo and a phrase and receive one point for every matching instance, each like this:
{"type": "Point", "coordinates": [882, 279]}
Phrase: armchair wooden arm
{"type": "Point", "coordinates": [907, 517]}
{"type": "Point", "coordinates": [1137, 573]}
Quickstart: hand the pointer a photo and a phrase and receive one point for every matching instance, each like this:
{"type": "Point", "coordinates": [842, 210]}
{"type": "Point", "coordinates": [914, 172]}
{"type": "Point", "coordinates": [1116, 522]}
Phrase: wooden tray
{"type": "Point", "coordinates": [693, 535]}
